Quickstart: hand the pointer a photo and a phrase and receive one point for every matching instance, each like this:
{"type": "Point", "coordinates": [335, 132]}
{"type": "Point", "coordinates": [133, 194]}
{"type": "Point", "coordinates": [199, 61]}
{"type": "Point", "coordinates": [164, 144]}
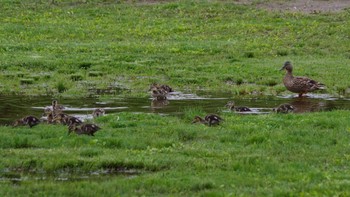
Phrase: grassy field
{"type": "Point", "coordinates": [73, 48]}
{"type": "Point", "coordinates": [247, 155]}
{"type": "Point", "coordinates": [78, 48]}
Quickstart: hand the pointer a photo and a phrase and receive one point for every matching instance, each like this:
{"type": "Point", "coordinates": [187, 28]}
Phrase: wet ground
{"type": "Point", "coordinates": [15, 107]}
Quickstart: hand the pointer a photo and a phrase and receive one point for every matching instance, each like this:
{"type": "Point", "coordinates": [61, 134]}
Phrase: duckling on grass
{"type": "Point", "coordinates": [28, 120]}
{"type": "Point", "coordinates": [87, 129]}
{"type": "Point", "coordinates": [210, 120]}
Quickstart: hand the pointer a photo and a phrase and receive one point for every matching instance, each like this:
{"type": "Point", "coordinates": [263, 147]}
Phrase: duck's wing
{"type": "Point", "coordinates": [307, 83]}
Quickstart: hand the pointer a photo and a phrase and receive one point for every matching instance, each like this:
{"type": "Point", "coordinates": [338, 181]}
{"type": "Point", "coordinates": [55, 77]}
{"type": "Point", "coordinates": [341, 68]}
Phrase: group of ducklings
{"type": "Point", "coordinates": [54, 115]}
{"type": "Point", "coordinates": [159, 92]}
{"type": "Point", "coordinates": [213, 119]}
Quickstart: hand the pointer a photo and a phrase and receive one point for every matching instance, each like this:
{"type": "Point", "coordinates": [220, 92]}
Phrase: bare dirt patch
{"type": "Point", "coordinates": [305, 6]}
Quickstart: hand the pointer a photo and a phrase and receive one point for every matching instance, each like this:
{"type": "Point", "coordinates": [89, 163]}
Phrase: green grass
{"type": "Point", "coordinates": [77, 48]}
{"type": "Point", "coordinates": [186, 44]}
{"type": "Point", "coordinates": [281, 155]}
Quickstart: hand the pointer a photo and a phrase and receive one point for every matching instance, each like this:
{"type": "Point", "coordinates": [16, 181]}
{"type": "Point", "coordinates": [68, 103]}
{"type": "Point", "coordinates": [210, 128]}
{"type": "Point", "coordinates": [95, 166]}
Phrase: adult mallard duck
{"type": "Point", "coordinates": [231, 105]}
{"type": "Point", "coordinates": [284, 108]}
{"type": "Point", "coordinates": [210, 119]}
{"type": "Point", "coordinates": [87, 129]}
{"type": "Point", "coordinates": [98, 112]}
{"type": "Point", "coordinates": [28, 120]}
{"type": "Point", "coordinates": [300, 85]}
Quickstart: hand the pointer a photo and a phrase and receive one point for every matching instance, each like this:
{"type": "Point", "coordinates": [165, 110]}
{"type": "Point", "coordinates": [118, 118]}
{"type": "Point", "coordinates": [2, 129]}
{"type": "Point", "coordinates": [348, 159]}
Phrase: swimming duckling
{"type": "Point", "coordinates": [231, 105]}
{"type": "Point", "coordinates": [164, 88]}
{"type": "Point", "coordinates": [56, 106]}
{"type": "Point", "coordinates": [87, 129]}
{"type": "Point", "coordinates": [98, 112]}
{"type": "Point", "coordinates": [28, 120]}
{"type": "Point", "coordinates": [284, 108]}
{"type": "Point", "coordinates": [210, 119]}
{"type": "Point", "coordinates": [300, 85]}
{"type": "Point", "coordinates": [158, 95]}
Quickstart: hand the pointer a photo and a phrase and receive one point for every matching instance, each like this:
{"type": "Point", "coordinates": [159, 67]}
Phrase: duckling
{"type": "Point", "coordinates": [300, 85]}
{"type": "Point", "coordinates": [71, 120]}
{"type": "Point", "coordinates": [231, 105]}
{"type": "Point", "coordinates": [88, 129]}
{"type": "Point", "coordinates": [210, 119]}
{"type": "Point", "coordinates": [98, 112]}
{"type": "Point", "coordinates": [56, 106]}
{"type": "Point", "coordinates": [28, 120]}
{"type": "Point", "coordinates": [164, 88]}
{"type": "Point", "coordinates": [60, 118]}
{"type": "Point", "coordinates": [158, 95]}
{"type": "Point", "coordinates": [284, 108]}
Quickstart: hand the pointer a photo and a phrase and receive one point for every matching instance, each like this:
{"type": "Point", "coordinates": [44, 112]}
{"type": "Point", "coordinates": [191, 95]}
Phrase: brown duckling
{"type": "Point", "coordinates": [300, 85]}
{"type": "Point", "coordinates": [164, 88]}
{"type": "Point", "coordinates": [98, 112]}
{"type": "Point", "coordinates": [71, 120]}
{"type": "Point", "coordinates": [28, 120]}
{"type": "Point", "coordinates": [284, 108]}
{"type": "Point", "coordinates": [210, 119]}
{"type": "Point", "coordinates": [158, 95]}
{"type": "Point", "coordinates": [231, 105]}
{"type": "Point", "coordinates": [87, 129]}
{"type": "Point", "coordinates": [60, 118]}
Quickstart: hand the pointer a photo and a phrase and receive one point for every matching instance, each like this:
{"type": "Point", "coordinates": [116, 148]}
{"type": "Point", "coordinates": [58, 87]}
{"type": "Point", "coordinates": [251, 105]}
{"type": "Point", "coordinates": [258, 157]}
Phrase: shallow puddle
{"type": "Point", "coordinates": [15, 107]}
{"type": "Point", "coordinates": [17, 177]}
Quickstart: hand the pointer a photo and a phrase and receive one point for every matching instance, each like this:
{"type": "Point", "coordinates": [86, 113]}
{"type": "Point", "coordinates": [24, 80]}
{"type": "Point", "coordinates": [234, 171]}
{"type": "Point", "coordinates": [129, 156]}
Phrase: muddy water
{"type": "Point", "coordinates": [14, 107]}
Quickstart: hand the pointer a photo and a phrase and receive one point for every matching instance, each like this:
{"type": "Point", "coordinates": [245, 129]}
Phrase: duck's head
{"type": "Point", "coordinates": [197, 119]}
{"type": "Point", "coordinates": [287, 66]}
{"type": "Point", "coordinates": [230, 104]}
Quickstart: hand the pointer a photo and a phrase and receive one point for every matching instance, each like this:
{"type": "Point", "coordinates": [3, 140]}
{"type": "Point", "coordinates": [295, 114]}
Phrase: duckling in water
{"type": "Point", "coordinates": [300, 85]}
{"type": "Point", "coordinates": [158, 95]}
{"type": "Point", "coordinates": [28, 120]}
{"type": "Point", "coordinates": [164, 88]}
{"type": "Point", "coordinates": [284, 108]}
{"type": "Point", "coordinates": [87, 129]}
{"type": "Point", "coordinates": [210, 119]}
{"type": "Point", "coordinates": [98, 112]}
{"type": "Point", "coordinates": [231, 105]}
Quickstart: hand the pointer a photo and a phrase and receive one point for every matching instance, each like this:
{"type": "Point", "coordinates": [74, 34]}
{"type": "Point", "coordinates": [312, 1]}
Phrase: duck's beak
{"type": "Point", "coordinates": [282, 68]}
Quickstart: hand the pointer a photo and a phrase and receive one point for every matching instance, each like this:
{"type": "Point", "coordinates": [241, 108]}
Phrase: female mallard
{"type": "Point", "coordinates": [98, 112]}
{"type": "Point", "coordinates": [87, 129]}
{"type": "Point", "coordinates": [300, 85]}
{"type": "Point", "coordinates": [210, 119]}
{"type": "Point", "coordinates": [284, 108]}
{"type": "Point", "coordinates": [231, 105]}
{"type": "Point", "coordinates": [28, 120]}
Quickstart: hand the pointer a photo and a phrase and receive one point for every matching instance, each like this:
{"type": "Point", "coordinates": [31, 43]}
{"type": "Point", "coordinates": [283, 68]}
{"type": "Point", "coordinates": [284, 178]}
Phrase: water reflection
{"type": "Point", "coordinates": [14, 107]}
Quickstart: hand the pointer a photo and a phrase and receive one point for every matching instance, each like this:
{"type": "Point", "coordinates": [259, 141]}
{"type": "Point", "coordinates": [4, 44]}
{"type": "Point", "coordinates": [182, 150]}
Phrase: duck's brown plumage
{"type": "Point", "coordinates": [210, 119]}
{"type": "Point", "coordinates": [98, 112]}
{"type": "Point", "coordinates": [28, 120]}
{"type": "Point", "coordinates": [87, 129]}
{"type": "Point", "coordinates": [231, 105]}
{"type": "Point", "coordinates": [284, 108]}
{"type": "Point", "coordinates": [300, 85]}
